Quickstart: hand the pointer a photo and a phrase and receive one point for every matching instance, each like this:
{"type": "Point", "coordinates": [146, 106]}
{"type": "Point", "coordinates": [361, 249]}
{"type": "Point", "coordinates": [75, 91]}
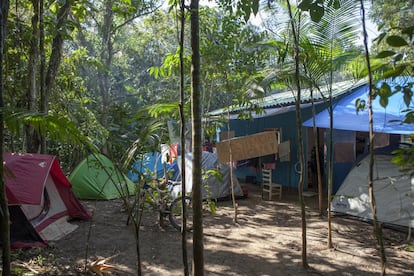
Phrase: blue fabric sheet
{"type": "Point", "coordinates": [385, 120]}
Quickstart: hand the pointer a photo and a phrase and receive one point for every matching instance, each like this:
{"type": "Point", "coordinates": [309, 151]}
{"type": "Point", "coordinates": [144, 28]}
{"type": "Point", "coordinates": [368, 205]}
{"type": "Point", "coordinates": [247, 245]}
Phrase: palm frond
{"type": "Point", "coordinates": [169, 109]}
{"type": "Point", "coordinates": [338, 25]}
{"type": "Point", "coordinates": [57, 128]}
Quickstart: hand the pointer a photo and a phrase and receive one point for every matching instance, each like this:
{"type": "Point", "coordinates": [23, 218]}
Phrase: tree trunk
{"type": "Point", "coordinates": [317, 155]}
{"type": "Point", "coordinates": [376, 224]}
{"type": "Point", "coordinates": [198, 246]}
{"type": "Point", "coordinates": [32, 135]}
{"type": "Point", "coordinates": [233, 196]}
{"type": "Point", "coordinates": [330, 172]}
{"type": "Point", "coordinates": [137, 224]}
{"type": "Point", "coordinates": [182, 140]}
{"type": "Point", "coordinates": [4, 210]}
{"type": "Point", "coordinates": [295, 34]}
{"type": "Point", "coordinates": [43, 148]}
{"type": "Point", "coordinates": [55, 56]}
{"type": "Point", "coordinates": [104, 83]}
{"type": "Point", "coordinates": [47, 80]}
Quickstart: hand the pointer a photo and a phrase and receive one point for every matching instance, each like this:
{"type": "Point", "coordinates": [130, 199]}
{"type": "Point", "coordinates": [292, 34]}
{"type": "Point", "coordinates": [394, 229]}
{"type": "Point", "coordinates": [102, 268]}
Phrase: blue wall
{"type": "Point", "coordinates": [284, 173]}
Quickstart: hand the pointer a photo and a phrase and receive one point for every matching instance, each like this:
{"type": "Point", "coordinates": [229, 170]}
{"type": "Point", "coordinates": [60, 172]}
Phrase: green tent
{"type": "Point", "coordinates": [97, 178]}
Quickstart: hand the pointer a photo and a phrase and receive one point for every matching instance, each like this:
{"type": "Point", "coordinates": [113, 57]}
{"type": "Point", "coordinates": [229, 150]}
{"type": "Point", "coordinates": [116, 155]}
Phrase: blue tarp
{"type": "Point", "coordinates": [385, 120]}
{"type": "Point", "coordinates": [151, 166]}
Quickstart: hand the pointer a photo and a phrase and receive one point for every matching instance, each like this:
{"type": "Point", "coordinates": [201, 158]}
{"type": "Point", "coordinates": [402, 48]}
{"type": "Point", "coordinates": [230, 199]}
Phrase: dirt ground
{"type": "Point", "coordinates": [266, 241]}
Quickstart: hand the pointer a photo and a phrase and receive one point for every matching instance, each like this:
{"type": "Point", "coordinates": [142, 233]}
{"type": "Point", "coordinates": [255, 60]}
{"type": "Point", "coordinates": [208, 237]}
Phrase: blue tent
{"type": "Point", "coordinates": [385, 120]}
{"type": "Point", "coordinates": [149, 165]}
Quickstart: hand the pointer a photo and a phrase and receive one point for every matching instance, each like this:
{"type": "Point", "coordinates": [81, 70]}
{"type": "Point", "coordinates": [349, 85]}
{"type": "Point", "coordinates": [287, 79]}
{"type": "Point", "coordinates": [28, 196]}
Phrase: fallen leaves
{"type": "Point", "coordinates": [100, 266]}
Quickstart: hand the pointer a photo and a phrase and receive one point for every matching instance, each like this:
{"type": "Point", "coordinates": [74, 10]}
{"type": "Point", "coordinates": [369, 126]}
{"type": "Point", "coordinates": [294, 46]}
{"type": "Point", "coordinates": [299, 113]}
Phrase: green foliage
{"type": "Point", "coordinates": [316, 8]}
{"type": "Point", "coordinates": [205, 176]}
{"type": "Point", "coordinates": [360, 105]}
{"type": "Point", "coordinates": [170, 66]}
{"type": "Point", "coordinates": [404, 157]}
{"type": "Point", "coordinates": [326, 47]}
{"type": "Point", "coordinates": [409, 116]}
{"type": "Point", "coordinates": [384, 54]}
{"type": "Point", "coordinates": [164, 110]}
{"type": "Point", "coordinates": [17, 271]}
{"type": "Point", "coordinates": [135, 49]}
{"type": "Point", "coordinates": [384, 92]}
{"type": "Point", "coordinates": [240, 57]}
{"type": "Point", "coordinates": [212, 173]}
{"type": "Point", "coordinates": [396, 59]}
{"type": "Point", "coordinates": [212, 206]}
{"type": "Point", "coordinates": [55, 127]}
{"type": "Point", "coordinates": [230, 56]}
{"type": "Point", "coordinates": [148, 135]}
{"type": "Point", "coordinates": [240, 8]}
{"type": "Point", "coordinates": [409, 248]}
{"type": "Point", "coordinates": [396, 41]}
{"type": "Point", "coordinates": [388, 14]}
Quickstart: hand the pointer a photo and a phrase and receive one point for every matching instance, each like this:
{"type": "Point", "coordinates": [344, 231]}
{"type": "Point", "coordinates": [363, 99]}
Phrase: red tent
{"type": "Point", "coordinates": [40, 199]}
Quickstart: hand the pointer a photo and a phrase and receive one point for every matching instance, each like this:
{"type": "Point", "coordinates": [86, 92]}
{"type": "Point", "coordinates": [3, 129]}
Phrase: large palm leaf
{"type": "Point", "coordinates": [325, 46]}
{"type": "Point", "coordinates": [281, 71]}
{"type": "Point", "coordinates": [331, 38]}
{"type": "Point", "coordinates": [57, 128]}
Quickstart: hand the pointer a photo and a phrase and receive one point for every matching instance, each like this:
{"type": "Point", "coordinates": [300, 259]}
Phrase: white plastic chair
{"type": "Point", "coordinates": [268, 186]}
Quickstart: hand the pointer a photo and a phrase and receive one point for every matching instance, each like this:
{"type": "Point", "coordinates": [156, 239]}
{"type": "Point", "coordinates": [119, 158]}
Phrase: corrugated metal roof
{"type": "Point", "coordinates": [288, 97]}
